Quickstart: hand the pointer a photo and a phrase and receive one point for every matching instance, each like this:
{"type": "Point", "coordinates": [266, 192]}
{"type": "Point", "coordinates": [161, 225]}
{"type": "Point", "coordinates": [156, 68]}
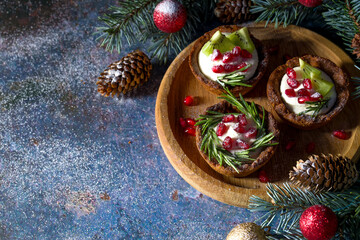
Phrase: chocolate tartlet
{"type": "Point", "coordinates": [249, 166]}
{"type": "Point", "coordinates": [340, 80]}
{"type": "Point", "coordinates": [215, 87]}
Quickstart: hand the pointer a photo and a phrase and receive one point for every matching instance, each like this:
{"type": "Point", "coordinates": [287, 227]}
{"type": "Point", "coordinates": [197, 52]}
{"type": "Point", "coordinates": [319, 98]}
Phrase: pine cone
{"type": "Point", "coordinates": [235, 11]}
{"type": "Point", "coordinates": [125, 75]}
{"type": "Point", "coordinates": [355, 44]}
{"type": "Point", "coordinates": [325, 172]}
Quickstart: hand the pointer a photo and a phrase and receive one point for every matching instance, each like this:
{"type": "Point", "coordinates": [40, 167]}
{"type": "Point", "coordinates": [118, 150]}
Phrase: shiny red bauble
{"type": "Point", "coordinates": [310, 3]}
{"type": "Point", "coordinates": [318, 222]}
{"type": "Point", "coordinates": [169, 16]}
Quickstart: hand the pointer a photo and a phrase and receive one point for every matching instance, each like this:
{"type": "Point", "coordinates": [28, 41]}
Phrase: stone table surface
{"type": "Point", "coordinates": [76, 165]}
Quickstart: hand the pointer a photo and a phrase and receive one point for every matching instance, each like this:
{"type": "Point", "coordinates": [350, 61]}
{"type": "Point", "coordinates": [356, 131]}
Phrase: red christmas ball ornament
{"type": "Point", "coordinates": [318, 222]}
{"type": "Point", "coordinates": [169, 16]}
{"type": "Point", "coordinates": [311, 3]}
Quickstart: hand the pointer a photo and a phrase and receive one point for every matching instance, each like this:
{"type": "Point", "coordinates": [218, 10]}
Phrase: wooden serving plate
{"type": "Point", "coordinates": [181, 150]}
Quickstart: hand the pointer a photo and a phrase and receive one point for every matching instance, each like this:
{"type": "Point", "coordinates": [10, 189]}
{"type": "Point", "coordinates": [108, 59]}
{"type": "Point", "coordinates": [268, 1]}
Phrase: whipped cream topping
{"type": "Point", "coordinates": [292, 102]}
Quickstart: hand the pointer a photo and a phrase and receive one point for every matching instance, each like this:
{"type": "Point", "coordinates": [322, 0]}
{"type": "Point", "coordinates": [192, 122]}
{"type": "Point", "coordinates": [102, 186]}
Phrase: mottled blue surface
{"type": "Point", "coordinates": [75, 165]}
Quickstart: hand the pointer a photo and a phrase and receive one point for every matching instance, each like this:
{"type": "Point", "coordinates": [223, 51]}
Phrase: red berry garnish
{"type": "Point", "coordinates": [242, 119]}
{"type": "Point", "coordinates": [290, 145]}
{"type": "Point", "coordinates": [242, 65]}
{"type": "Point", "coordinates": [228, 118]}
{"type": "Point", "coordinates": [239, 128]}
{"type": "Point", "coordinates": [307, 83]}
{"type": "Point", "coordinates": [245, 54]}
{"type": "Point", "coordinates": [190, 121]}
{"type": "Point", "coordinates": [242, 144]}
{"type": "Point", "coordinates": [188, 100]}
{"type": "Point", "coordinates": [290, 92]}
{"type": "Point", "coordinates": [341, 134]}
{"type": "Point", "coordinates": [310, 147]}
{"type": "Point", "coordinates": [236, 51]}
{"type": "Point", "coordinates": [218, 69]}
{"type": "Point", "coordinates": [216, 55]}
{"type": "Point", "coordinates": [292, 82]}
{"type": "Point", "coordinates": [315, 97]}
{"type": "Point", "coordinates": [190, 130]}
{"type": "Point", "coordinates": [302, 100]}
{"type": "Point", "coordinates": [182, 122]}
{"type": "Point", "coordinates": [227, 143]}
{"type": "Point", "coordinates": [290, 72]}
{"type": "Point", "coordinates": [303, 92]}
{"type": "Point", "coordinates": [229, 68]}
{"type": "Point", "coordinates": [274, 49]}
{"type": "Point", "coordinates": [263, 177]}
{"type": "Point", "coordinates": [222, 128]}
{"type": "Point", "coordinates": [227, 57]}
{"type": "Point", "coordinates": [251, 133]}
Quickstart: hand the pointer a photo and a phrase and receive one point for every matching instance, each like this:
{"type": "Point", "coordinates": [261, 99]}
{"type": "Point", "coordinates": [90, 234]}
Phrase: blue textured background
{"type": "Point", "coordinates": [75, 165]}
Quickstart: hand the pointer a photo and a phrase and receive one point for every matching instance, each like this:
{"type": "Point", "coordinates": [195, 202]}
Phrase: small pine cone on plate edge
{"type": "Point", "coordinates": [125, 75]}
{"type": "Point", "coordinates": [324, 172]}
{"type": "Point", "coordinates": [355, 44]}
{"type": "Point", "coordinates": [235, 11]}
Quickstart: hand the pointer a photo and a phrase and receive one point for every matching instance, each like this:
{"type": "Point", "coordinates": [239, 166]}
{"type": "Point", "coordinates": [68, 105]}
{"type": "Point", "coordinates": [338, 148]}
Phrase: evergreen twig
{"type": "Point", "coordinates": [315, 107]}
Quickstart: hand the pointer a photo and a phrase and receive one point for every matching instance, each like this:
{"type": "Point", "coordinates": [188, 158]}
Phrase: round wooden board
{"type": "Point", "coordinates": [181, 150]}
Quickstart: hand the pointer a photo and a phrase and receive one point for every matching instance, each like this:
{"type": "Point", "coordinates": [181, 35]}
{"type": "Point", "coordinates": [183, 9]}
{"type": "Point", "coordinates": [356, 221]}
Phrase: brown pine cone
{"type": "Point", "coordinates": [235, 11]}
{"type": "Point", "coordinates": [324, 172]}
{"type": "Point", "coordinates": [355, 44]}
{"type": "Point", "coordinates": [125, 75]}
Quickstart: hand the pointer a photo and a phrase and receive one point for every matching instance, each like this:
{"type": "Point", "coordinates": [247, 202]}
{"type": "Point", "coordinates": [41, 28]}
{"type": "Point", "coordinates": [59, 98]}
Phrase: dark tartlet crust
{"type": "Point", "coordinates": [215, 87]}
{"type": "Point", "coordinates": [341, 82]}
{"type": "Point", "coordinates": [248, 167]}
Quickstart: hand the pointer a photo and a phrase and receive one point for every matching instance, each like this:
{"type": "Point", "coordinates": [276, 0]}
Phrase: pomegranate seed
{"type": "Point", "coordinates": [182, 122]}
{"type": "Point", "coordinates": [239, 128]}
{"type": "Point", "coordinates": [245, 54]}
{"type": "Point", "coordinates": [242, 119]}
{"type": "Point", "coordinates": [307, 83]}
{"type": "Point", "coordinates": [316, 97]}
{"type": "Point", "coordinates": [251, 133]}
{"type": "Point", "coordinates": [242, 65]}
{"type": "Point", "coordinates": [188, 100]}
{"type": "Point", "coordinates": [190, 121]}
{"type": "Point", "coordinates": [229, 68]}
{"type": "Point", "coordinates": [286, 57]}
{"type": "Point", "coordinates": [218, 69]}
{"type": "Point", "coordinates": [302, 100]}
{"type": "Point", "coordinates": [263, 177]}
{"type": "Point", "coordinates": [216, 55]}
{"type": "Point", "coordinates": [290, 145]}
{"type": "Point", "coordinates": [228, 118]}
{"type": "Point", "coordinates": [242, 144]}
{"type": "Point", "coordinates": [293, 83]}
{"type": "Point", "coordinates": [227, 57]}
{"type": "Point", "coordinates": [190, 130]}
{"type": "Point", "coordinates": [290, 72]}
{"type": "Point", "coordinates": [274, 49]}
{"type": "Point", "coordinates": [303, 92]}
{"type": "Point", "coordinates": [227, 143]}
{"type": "Point", "coordinates": [290, 92]}
{"type": "Point", "coordinates": [341, 134]}
{"type": "Point", "coordinates": [222, 128]}
{"type": "Point", "coordinates": [236, 51]}
{"type": "Point", "coordinates": [310, 147]}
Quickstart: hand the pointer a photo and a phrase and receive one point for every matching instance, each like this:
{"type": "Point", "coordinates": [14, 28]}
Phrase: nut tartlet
{"type": "Point", "coordinates": [214, 86]}
{"type": "Point", "coordinates": [340, 81]}
{"type": "Point", "coordinates": [246, 166]}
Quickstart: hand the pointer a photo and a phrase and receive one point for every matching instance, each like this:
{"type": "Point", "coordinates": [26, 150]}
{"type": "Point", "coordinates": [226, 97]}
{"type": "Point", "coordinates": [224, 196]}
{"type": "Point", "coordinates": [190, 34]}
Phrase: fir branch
{"type": "Point", "coordinates": [356, 80]}
{"type": "Point", "coordinates": [343, 16]}
{"type": "Point", "coordinates": [281, 11]}
{"type": "Point", "coordinates": [315, 107]}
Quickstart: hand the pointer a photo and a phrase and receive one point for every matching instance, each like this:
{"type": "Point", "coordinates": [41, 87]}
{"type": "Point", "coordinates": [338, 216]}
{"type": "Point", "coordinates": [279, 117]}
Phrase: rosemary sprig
{"type": "Point", "coordinates": [234, 78]}
{"type": "Point", "coordinates": [315, 107]}
{"type": "Point", "coordinates": [211, 145]}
